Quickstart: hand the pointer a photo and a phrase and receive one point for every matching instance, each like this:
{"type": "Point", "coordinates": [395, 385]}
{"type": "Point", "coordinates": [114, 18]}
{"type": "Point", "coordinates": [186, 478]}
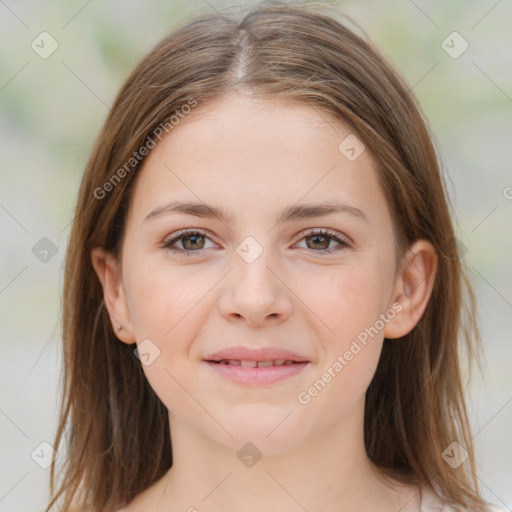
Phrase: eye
{"type": "Point", "coordinates": [191, 240]}
{"type": "Point", "coordinates": [194, 240]}
{"type": "Point", "coordinates": [321, 239]}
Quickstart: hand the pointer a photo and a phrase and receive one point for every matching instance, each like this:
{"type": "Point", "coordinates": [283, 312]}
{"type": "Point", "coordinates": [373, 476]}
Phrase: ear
{"type": "Point", "coordinates": [109, 273]}
{"type": "Point", "coordinates": [413, 287]}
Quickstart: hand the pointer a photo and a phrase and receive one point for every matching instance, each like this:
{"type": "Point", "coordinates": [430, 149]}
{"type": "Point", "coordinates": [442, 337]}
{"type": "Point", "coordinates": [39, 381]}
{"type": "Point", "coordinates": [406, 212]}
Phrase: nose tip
{"type": "Point", "coordinates": [254, 294]}
{"type": "Point", "coordinates": [253, 321]}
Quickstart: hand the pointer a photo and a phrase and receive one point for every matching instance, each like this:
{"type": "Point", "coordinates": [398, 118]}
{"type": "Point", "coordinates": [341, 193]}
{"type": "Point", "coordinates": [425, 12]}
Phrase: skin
{"type": "Point", "coordinates": [255, 158]}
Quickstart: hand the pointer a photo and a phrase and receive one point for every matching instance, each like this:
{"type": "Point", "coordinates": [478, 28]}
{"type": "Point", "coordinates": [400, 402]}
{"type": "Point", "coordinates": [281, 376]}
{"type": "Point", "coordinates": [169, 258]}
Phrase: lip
{"type": "Point", "coordinates": [261, 354]}
{"type": "Point", "coordinates": [257, 376]}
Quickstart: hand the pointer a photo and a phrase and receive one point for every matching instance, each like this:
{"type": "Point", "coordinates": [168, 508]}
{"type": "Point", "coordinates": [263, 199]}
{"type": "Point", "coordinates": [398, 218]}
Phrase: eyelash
{"type": "Point", "coordinates": [329, 233]}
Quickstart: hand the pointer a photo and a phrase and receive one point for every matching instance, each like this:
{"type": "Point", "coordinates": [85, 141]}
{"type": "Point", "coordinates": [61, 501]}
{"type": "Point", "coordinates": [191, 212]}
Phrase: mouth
{"type": "Point", "coordinates": [256, 367]}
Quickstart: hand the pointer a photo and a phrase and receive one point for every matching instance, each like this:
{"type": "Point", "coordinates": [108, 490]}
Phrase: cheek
{"type": "Point", "coordinates": [169, 309]}
{"type": "Point", "coordinates": [353, 302]}
{"type": "Point", "coordinates": [341, 385]}
{"type": "Point", "coordinates": [162, 297]}
{"type": "Point", "coordinates": [350, 303]}
{"type": "Point", "coordinates": [345, 299]}
{"type": "Point", "coordinates": [169, 306]}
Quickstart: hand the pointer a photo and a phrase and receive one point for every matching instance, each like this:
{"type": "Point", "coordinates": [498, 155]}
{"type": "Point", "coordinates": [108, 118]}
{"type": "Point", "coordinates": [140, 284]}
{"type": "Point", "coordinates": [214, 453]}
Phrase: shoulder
{"type": "Point", "coordinates": [430, 502]}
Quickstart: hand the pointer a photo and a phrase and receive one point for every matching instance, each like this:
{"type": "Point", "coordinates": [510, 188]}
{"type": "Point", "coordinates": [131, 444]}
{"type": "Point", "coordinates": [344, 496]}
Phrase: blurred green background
{"type": "Point", "coordinates": [52, 108]}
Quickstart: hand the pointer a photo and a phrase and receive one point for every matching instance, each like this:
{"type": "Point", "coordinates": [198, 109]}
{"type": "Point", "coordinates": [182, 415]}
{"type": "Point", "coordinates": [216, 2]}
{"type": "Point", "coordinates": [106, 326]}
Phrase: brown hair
{"type": "Point", "coordinates": [116, 429]}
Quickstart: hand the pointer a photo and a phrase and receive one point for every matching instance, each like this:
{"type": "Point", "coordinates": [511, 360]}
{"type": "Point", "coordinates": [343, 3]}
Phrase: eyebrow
{"type": "Point", "coordinates": [291, 213]}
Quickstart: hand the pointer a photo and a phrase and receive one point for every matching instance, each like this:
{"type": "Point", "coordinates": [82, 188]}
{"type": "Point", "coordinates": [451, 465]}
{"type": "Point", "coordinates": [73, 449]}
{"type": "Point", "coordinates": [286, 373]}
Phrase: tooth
{"type": "Point", "coordinates": [254, 364]}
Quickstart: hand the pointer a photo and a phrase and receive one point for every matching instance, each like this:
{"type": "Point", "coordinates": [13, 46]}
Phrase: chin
{"type": "Point", "coordinates": [258, 444]}
{"type": "Point", "coordinates": [273, 430]}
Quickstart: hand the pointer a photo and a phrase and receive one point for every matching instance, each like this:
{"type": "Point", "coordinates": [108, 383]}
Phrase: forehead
{"type": "Point", "coordinates": [253, 155]}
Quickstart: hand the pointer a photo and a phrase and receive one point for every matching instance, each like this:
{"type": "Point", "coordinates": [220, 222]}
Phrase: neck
{"type": "Point", "coordinates": [331, 472]}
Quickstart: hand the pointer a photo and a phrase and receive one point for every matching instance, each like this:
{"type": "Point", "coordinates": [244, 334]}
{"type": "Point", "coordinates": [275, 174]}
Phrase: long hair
{"type": "Point", "coordinates": [113, 428]}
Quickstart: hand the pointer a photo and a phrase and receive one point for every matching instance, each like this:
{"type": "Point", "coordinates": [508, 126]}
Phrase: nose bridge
{"type": "Point", "coordinates": [253, 291]}
{"type": "Point", "coordinates": [252, 275]}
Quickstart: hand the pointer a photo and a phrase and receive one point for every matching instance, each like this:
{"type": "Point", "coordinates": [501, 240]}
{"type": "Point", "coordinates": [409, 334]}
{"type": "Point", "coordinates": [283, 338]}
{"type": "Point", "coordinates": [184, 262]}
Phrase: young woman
{"type": "Point", "coordinates": [263, 299]}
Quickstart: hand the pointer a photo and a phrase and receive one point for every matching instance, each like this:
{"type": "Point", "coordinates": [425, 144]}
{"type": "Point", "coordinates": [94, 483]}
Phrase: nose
{"type": "Point", "coordinates": [255, 294]}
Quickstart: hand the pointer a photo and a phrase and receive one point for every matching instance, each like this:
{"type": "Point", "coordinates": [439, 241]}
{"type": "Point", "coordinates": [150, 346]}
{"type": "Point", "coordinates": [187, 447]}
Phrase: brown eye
{"type": "Point", "coordinates": [186, 242]}
{"type": "Point", "coordinates": [192, 242]}
{"type": "Point", "coordinates": [320, 240]}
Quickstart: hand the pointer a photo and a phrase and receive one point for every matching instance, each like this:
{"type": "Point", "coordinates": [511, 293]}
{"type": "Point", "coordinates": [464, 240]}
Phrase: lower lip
{"type": "Point", "coordinates": [257, 376]}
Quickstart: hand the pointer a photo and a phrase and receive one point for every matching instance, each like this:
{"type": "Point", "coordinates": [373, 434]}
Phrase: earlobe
{"type": "Point", "coordinates": [107, 269]}
{"type": "Point", "coordinates": [413, 288]}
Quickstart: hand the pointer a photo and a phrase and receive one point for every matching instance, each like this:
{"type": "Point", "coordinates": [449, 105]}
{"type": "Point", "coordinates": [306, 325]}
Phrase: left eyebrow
{"type": "Point", "coordinates": [306, 211]}
{"type": "Point", "coordinates": [291, 213]}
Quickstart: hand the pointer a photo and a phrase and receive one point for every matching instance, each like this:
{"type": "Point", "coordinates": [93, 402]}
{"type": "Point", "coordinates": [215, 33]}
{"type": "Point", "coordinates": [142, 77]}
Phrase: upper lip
{"type": "Point", "coordinates": [261, 354]}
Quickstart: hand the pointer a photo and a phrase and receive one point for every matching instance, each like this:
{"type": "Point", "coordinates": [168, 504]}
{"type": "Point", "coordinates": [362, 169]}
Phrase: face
{"type": "Point", "coordinates": [276, 274]}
